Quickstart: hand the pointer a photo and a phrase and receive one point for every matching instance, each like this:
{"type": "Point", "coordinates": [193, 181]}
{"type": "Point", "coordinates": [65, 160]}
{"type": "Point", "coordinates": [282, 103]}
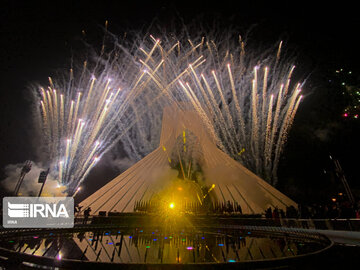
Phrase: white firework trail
{"type": "Point", "coordinates": [120, 97]}
{"type": "Point", "coordinates": [82, 118]}
{"type": "Point", "coordinates": [247, 101]}
{"type": "Point", "coordinates": [239, 104]}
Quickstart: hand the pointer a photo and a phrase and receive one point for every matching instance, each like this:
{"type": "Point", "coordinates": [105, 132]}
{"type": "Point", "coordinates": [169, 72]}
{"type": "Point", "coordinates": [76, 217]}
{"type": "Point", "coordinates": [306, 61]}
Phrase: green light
{"type": "Point", "coordinates": [147, 246]}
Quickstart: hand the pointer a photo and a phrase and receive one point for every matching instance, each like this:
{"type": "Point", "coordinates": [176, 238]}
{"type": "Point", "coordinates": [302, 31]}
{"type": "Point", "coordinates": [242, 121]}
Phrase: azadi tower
{"type": "Point", "coordinates": [183, 131]}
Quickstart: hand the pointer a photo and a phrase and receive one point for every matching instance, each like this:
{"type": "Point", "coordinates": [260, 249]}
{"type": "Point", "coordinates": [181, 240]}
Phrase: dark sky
{"type": "Point", "coordinates": [39, 37]}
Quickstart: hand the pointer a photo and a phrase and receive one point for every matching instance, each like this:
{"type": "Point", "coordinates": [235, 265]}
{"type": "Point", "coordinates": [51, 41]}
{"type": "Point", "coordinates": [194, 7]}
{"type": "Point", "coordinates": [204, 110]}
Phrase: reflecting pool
{"type": "Point", "coordinates": [140, 245]}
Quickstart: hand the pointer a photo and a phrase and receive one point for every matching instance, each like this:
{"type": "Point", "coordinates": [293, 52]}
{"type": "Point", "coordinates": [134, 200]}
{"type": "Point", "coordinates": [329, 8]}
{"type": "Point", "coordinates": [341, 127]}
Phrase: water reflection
{"type": "Point", "coordinates": [156, 246]}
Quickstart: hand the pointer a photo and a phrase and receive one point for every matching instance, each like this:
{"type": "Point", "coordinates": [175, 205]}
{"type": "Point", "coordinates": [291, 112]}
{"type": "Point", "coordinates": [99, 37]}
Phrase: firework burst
{"type": "Point", "coordinates": [247, 101]}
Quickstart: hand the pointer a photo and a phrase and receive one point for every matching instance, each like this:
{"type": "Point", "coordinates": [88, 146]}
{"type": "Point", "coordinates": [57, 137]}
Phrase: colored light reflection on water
{"type": "Point", "coordinates": [140, 246]}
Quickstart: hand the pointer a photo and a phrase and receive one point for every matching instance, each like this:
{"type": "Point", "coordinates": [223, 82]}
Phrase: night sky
{"type": "Point", "coordinates": [39, 39]}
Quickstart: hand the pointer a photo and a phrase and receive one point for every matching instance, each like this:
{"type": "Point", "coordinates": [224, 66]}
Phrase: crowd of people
{"type": "Point", "coordinates": [334, 210]}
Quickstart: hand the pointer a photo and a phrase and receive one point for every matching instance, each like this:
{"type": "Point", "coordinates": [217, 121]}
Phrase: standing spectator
{"type": "Point", "coordinates": [357, 214]}
{"type": "Point", "coordinates": [268, 213]}
{"type": "Point", "coordinates": [282, 213]}
{"type": "Point", "coordinates": [86, 214]}
{"type": "Point", "coordinates": [275, 213]}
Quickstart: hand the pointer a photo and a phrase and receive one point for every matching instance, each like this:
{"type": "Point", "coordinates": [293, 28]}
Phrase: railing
{"type": "Point", "coordinates": [318, 224]}
{"type": "Point", "coordinates": [323, 224]}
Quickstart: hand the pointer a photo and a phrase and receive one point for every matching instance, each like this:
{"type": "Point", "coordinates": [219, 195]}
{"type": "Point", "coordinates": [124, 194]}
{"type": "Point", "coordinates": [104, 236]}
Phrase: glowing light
{"type": "Point", "coordinates": [189, 248]}
{"type": "Point", "coordinates": [172, 205]}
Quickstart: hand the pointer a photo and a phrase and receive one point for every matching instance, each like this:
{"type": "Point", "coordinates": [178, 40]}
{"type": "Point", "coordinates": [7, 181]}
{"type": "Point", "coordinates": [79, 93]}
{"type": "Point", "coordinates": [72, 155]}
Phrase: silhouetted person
{"type": "Point", "coordinates": [238, 208]}
{"type": "Point", "coordinates": [357, 214]}
{"type": "Point", "coordinates": [86, 214]}
{"type": "Point", "coordinates": [282, 213]}
{"type": "Point", "coordinates": [275, 213]}
{"type": "Point", "coordinates": [268, 213]}
{"type": "Point", "coordinates": [334, 212]}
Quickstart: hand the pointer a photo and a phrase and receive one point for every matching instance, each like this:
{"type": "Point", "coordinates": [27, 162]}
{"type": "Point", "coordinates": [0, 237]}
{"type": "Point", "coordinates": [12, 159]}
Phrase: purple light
{"type": "Point", "coordinates": [189, 248]}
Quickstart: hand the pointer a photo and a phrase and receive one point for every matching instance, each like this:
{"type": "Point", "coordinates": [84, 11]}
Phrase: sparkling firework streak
{"type": "Point", "coordinates": [121, 97]}
{"type": "Point", "coordinates": [83, 118]}
{"type": "Point", "coordinates": [237, 102]}
{"type": "Point", "coordinates": [74, 128]}
{"type": "Point", "coordinates": [247, 100]}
